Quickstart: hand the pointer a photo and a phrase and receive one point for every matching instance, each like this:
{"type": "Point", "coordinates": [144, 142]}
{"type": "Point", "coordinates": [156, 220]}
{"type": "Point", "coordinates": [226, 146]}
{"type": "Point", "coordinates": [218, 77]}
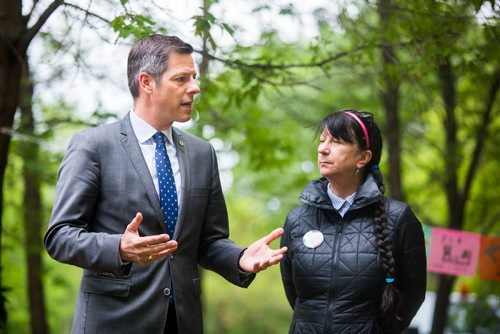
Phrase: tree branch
{"type": "Point", "coordinates": [87, 12]}
{"type": "Point", "coordinates": [482, 134]}
{"type": "Point", "coordinates": [25, 39]}
{"type": "Point", "coordinates": [269, 66]}
{"type": "Point", "coordinates": [35, 2]}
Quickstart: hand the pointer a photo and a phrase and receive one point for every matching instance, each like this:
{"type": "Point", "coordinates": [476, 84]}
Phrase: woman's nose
{"type": "Point", "coordinates": [322, 148]}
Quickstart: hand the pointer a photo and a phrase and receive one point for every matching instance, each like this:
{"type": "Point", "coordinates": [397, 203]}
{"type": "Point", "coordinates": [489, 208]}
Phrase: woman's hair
{"type": "Point", "coordinates": [359, 128]}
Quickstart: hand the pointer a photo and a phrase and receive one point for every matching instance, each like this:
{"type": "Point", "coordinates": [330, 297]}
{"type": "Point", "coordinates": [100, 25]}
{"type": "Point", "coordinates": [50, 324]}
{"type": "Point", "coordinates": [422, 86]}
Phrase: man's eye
{"type": "Point", "coordinates": [181, 79]}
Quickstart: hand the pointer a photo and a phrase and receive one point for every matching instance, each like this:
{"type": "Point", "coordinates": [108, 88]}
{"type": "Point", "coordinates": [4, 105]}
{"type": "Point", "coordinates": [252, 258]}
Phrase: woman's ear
{"type": "Point", "coordinates": [364, 158]}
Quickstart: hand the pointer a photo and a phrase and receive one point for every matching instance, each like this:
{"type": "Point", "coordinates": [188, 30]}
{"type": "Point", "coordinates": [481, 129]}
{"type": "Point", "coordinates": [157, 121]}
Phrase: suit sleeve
{"type": "Point", "coordinates": [412, 266]}
{"type": "Point", "coordinates": [286, 265]}
{"type": "Point", "coordinates": [216, 251]}
{"type": "Point", "coordinates": [69, 238]}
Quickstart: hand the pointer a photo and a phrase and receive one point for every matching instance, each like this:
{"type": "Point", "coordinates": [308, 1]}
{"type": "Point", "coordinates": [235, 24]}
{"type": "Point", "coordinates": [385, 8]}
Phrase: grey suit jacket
{"type": "Point", "coordinates": [103, 181]}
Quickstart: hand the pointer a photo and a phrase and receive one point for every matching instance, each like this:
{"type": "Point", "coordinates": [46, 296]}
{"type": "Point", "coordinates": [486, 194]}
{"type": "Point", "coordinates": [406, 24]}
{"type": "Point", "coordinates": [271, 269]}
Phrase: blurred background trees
{"type": "Point", "coordinates": [429, 71]}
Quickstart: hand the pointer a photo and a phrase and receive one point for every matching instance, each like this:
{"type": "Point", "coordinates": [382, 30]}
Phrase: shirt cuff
{"type": "Point", "coordinates": [242, 272]}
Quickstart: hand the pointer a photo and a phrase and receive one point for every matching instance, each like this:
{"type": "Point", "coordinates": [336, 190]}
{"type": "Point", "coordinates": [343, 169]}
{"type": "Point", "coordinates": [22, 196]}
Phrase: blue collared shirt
{"type": "Point", "coordinates": [340, 204]}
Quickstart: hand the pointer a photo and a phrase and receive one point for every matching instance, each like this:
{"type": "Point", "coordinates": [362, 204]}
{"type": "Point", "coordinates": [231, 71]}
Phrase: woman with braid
{"type": "Point", "coordinates": [356, 259]}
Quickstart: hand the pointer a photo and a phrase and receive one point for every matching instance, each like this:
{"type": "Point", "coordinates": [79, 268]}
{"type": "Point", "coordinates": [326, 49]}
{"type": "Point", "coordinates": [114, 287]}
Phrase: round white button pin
{"type": "Point", "coordinates": [313, 239]}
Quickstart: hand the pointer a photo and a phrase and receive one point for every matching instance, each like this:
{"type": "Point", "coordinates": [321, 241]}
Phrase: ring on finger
{"type": "Point", "coordinates": [150, 257]}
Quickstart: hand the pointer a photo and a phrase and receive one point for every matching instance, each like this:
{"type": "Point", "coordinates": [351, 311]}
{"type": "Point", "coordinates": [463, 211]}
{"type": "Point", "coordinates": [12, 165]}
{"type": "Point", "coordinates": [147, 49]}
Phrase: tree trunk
{"type": "Point", "coordinates": [455, 210]}
{"type": "Point", "coordinates": [205, 60]}
{"type": "Point", "coordinates": [33, 217]}
{"type": "Point", "coordinates": [439, 319]}
{"type": "Point", "coordinates": [15, 38]}
{"type": "Point", "coordinates": [390, 98]}
{"type": "Point", "coordinates": [451, 154]}
{"type": "Point", "coordinates": [11, 26]}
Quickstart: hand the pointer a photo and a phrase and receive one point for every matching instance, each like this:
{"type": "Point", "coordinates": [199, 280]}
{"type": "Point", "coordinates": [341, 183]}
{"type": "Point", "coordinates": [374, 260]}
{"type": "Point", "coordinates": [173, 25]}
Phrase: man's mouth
{"type": "Point", "coordinates": [187, 104]}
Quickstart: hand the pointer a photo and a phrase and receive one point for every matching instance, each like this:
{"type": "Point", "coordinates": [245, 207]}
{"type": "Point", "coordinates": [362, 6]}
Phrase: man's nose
{"type": "Point", "coordinates": [194, 87]}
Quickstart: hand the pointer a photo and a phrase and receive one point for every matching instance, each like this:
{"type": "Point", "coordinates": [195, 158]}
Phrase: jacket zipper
{"type": "Point", "coordinates": [333, 282]}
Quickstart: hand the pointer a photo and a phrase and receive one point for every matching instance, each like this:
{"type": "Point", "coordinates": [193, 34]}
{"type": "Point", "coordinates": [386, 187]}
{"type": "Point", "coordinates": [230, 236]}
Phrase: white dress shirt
{"type": "Point", "coordinates": [144, 133]}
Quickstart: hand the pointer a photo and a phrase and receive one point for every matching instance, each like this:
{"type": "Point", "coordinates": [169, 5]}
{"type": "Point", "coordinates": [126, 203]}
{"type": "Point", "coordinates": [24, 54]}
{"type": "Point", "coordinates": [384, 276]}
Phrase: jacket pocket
{"type": "Point", "coordinates": [199, 192]}
{"type": "Point", "coordinates": [104, 286]}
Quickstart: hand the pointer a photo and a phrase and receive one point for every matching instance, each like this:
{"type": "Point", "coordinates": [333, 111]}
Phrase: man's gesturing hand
{"type": "Point", "coordinates": [258, 256]}
{"type": "Point", "coordinates": [143, 250]}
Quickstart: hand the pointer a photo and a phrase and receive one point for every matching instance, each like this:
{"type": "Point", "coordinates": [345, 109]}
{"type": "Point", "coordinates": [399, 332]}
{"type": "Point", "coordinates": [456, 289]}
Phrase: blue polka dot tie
{"type": "Point", "coordinates": [166, 183]}
{"type": "Point", "coordinates": [168, 193]}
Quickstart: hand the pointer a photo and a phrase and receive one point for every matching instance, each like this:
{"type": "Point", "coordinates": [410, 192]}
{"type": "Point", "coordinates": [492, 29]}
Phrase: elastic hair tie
{"type": "Point", "coordinates": [389, 280]}
{"type": "Point", "coordinates": [363, 127]}
{"type": "Point", "coordinates": [374, 167]}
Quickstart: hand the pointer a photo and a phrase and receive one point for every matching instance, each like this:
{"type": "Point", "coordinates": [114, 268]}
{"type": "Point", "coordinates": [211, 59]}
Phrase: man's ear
{"type": "Point", "coordinates": [364, 158]}
{"type": "Point", "coordinates": [146, 83]}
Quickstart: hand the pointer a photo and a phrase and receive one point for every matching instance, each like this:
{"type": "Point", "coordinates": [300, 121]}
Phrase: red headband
{"type": "Point", "coordinates": [363, 127]}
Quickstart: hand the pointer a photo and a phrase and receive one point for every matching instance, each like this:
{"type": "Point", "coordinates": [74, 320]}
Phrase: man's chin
{"type": "Point", "coordinates": [184, 119]}
{"type": "Point", "coordinates": [184, 116]}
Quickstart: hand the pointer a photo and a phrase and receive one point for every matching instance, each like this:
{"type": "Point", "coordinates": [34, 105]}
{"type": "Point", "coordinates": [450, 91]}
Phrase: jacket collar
{"type": "Point", "coordinates": [315, 194]}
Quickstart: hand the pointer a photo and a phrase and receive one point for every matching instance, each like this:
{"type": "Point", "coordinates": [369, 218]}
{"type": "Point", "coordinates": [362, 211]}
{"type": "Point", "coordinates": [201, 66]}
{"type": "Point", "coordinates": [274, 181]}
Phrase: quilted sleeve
{"type": "Point", "coordinates": [412, 276]}
{"type": "Point", "coordinates": [286, 265]}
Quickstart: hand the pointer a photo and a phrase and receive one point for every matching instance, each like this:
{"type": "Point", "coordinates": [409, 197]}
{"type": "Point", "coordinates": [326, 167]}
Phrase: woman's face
{"type": "Point", "coordinates": [336, 157]}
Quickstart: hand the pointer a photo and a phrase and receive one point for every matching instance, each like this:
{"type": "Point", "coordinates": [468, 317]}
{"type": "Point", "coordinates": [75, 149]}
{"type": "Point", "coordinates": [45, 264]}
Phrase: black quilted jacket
{"type": "Point", "coordinates": [337, 287]}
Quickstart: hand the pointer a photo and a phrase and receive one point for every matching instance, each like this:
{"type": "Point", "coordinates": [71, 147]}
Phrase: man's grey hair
{"type": "Point", "coordinates": [151, 55]}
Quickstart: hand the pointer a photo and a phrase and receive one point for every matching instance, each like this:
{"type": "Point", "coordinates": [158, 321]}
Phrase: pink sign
{"type": "Point", "coordinates": [453, 252]}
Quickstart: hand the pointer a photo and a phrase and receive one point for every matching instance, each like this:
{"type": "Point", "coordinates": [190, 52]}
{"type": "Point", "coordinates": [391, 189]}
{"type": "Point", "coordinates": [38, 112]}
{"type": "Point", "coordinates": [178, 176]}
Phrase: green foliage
{"type": "Point", "coordinates": [476, 312]}
{"type": "Point", "coordinates": [479, 3]}
{"type": "Point", "coordinates": [13, 259]}
{"type": "Point", "coordinates": [61, 286]}
{"type": "Point", "coordinates": [288, 9]}
{"type": "Point", "coordinates": [203, 25]}
{"type": "Point", "coordinates": [133, 24]}
{"type": "Point", "coordinates": [56, 124]}
{"type": "Point", "coordinates": [262, 308]}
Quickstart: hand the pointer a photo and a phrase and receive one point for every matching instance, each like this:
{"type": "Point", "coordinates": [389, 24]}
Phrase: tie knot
{"type": "Point", "coordinates": [158, 137]}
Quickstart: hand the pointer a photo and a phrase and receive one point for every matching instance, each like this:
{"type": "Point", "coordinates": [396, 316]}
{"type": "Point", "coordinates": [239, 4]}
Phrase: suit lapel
{"type": "Point", "coordinates": [131, 146]}
{"type": "Point", "coordinates": [182, 156]}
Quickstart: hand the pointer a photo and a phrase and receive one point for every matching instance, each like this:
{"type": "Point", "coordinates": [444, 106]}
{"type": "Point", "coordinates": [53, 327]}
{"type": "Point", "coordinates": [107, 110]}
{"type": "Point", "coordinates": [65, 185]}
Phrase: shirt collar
{"type": "Point", "coordinates": [337, 201]}
{"type": "Point", "coordinates": [145, 131]}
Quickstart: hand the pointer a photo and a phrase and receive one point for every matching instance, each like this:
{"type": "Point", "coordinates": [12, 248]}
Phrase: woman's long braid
{"type": "Point", "coordinates": [391, 296]}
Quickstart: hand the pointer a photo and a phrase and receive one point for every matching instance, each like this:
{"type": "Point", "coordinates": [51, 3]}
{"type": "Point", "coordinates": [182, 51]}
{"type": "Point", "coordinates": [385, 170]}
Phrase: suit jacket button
{"type": "Point", "coordinates": [166, 291]}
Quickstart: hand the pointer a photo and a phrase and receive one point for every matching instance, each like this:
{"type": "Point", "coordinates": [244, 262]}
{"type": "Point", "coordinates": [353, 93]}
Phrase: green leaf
{"type": "Point", "coordinates": [478, 4]}
{"type": "Point", "coordinates": [288, 10]}
{"type": "Point", "coordinates": [133, 24]}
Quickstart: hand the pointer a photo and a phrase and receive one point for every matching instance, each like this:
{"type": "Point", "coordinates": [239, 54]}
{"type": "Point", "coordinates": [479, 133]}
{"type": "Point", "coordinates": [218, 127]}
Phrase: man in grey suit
{"type": "Point", "coordinates": [109, 220]}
